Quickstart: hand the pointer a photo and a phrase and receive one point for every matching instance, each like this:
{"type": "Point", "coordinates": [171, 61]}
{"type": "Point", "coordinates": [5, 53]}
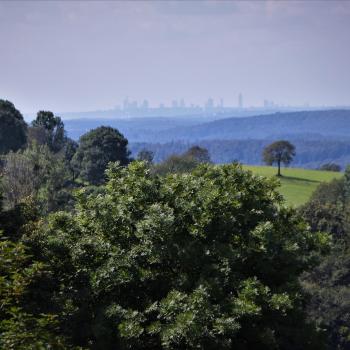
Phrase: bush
{"type": "Point", "coordinates": [330, 167]}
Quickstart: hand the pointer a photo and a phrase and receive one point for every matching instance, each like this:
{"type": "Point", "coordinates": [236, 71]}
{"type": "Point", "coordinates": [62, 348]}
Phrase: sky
{"type": "Point", "coordinates": [80, 56]}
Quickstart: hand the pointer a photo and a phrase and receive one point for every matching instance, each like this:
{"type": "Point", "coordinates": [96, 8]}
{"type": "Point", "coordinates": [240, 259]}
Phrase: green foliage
{"type": "Point", "coordinates": [52, 130]}
{"type": "Point", "coordinates": [20, 330]}
{"type": "Point", "coordinates": [146, 156]}
{"type": "Point", "coordinates": [13, 129]}
{"type": "Point", "coordinates": [200, 154]}
{"type": "Point", "coordinates": [19, 219]}
{"type": "Point", "coordinates": [96, 149]}
{"type": "Point", "coordinates": [175, 164]}
{"type": "Point", "coordinates": [34, 173]}
{"type": "Point", "coordinates": [184, 163]}
{"type": "Point", "coordinates": [279, 152]}
{"type": "Point", "coordinates": [206, 260]}
{"type": "Point", "coordinates": [347, 183]}
{"type": "Point", "coordinates": [328, 283]}
{"type": "Point", "coordinates": [328, 209]}
{"type": "Point", "coordinates": [329, 290]}
{"type": "Point", "coordinates": [331, 167]}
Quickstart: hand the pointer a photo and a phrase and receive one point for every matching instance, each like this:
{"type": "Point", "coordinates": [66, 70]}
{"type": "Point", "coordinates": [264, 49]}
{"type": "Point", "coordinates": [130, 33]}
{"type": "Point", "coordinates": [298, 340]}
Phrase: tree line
{"type": "Point", "coordinates": [311, 153]}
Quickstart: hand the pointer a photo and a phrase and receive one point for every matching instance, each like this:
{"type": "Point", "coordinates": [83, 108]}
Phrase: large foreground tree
{"type": "Point", "coordinates": [13, 129]}
{"type": "Point", "coordinates": [279, 152]}
{"type": "Point", "coordinates": [206, 260]}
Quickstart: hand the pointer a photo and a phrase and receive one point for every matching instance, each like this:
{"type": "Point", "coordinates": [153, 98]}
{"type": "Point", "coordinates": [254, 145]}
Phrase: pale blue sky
{"type": "Point", "coordinates": [77, 56]}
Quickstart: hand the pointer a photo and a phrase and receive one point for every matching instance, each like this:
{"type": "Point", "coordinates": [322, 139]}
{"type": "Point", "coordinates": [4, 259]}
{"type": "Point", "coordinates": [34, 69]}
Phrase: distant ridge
{"type": "Point", "coordinates": [333, 123]}
{"type": "Point", "coordinates": [325, 123]}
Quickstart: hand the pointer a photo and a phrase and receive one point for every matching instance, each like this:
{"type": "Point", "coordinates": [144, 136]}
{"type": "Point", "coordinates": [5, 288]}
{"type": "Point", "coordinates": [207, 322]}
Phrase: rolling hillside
{"type": "Point", "coordinates": [297, 184]}
{"type": "Point", "coordinates": [307, 125]}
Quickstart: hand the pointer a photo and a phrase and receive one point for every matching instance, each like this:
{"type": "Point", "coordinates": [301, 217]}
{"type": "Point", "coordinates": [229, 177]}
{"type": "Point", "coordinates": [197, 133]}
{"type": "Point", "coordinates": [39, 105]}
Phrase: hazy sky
{"type": "Point", "coordinates": [78, 56]}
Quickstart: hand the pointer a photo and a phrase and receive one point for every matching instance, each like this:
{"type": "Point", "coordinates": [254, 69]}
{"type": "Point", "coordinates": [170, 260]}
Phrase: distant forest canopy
{"type": "Point", "coordinates": [309, 154]}
{"type": "Point", "coordinates": [319, 136]}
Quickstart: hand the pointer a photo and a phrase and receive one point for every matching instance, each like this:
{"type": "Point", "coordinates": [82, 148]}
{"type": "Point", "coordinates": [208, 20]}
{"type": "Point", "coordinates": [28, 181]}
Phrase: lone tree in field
{"type": "Point", "coordinates": [279, 152]}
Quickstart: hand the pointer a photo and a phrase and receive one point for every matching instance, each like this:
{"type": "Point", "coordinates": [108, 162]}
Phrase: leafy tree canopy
{"type": "Point", "coordinates": [200, 154]}
{"type": "Point", "coordinates": [175, 164]}
{"type": "Point", "coordinates": [146, 156]}
{"type": "Point", "coordinates": [183, 163]}
{"type": "Point", "coordinates": [327, 209]}
{"type": "Point", "coordinates": [331, 167]}
{"type": "Point", "coordinates": [19, 328]}
{"type": "Point", "coordinates": [328, 284]}
{"type": "Point", "coordinates": [52, 130]}
{"type": "Point", "coordinates": [207, 260]}
{"type": "Point", "coordinates": [34, 173]}
{"type": "Point", "coordinates": [13, 129]}
{"type": "Point", "coordinates": [96, 149]}
{"type": "Point", "coordinates": [279, 152]}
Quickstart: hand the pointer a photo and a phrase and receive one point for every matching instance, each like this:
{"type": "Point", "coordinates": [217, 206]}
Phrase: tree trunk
{"type": "Point", "coordinates": [279, 168]}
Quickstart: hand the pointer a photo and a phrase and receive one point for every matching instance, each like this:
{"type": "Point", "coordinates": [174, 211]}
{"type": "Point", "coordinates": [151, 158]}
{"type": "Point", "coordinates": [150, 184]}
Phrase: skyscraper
{"type": "Point", "coordinates": [240, 100]}
{"type": "Point", "coordinates": [209, 104]}
{"type": "Point", "coordinates": [126, 104]}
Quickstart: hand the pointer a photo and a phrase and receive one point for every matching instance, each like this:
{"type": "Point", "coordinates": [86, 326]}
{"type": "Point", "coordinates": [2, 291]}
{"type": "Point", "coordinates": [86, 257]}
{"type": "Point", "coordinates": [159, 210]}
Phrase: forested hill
{"type": "Point", "coordinates": [308, 125]}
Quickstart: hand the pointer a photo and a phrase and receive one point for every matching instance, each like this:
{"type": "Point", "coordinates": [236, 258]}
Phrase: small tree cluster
{"type": "Point", "coordinates": [184, 162]}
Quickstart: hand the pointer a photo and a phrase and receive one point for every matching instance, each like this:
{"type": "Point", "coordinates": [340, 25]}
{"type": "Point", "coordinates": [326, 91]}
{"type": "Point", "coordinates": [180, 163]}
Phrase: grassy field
{"type": "Point", "coordinates": [297, 185]}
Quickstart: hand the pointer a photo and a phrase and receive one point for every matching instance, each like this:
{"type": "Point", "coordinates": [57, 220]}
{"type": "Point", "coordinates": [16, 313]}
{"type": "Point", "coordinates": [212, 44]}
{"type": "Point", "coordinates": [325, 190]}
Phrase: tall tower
{"type": "Point", "coordinates": [240, 100]}
{"type": "Point", "coordinates": [126, 104]}
{"type": "Point", "coordinates": [209, 104]}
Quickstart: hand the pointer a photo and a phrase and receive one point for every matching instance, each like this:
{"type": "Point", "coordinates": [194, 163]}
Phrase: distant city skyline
{"type": "Point", "coordinates": [130, 107]}
{"type": "Point", "coordinates": [90, 55]}
{"type": "Point", "coordinates": [178, 103]}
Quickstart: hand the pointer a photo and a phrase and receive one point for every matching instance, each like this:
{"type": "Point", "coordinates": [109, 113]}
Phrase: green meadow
{"type": "Point", "coordinates": [297, 184]}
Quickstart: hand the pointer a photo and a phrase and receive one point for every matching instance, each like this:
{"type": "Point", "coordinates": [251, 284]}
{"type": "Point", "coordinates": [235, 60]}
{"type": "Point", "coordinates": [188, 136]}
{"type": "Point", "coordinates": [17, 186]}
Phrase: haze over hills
{"type": "Point", "coordinates": [333, 123]}
{"type": "Point", "coordinates": [320, 136]}
{"type": "Point", "coordinates": [313, 124]}
{"type": "Point", "coordinates": [137, 122]}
